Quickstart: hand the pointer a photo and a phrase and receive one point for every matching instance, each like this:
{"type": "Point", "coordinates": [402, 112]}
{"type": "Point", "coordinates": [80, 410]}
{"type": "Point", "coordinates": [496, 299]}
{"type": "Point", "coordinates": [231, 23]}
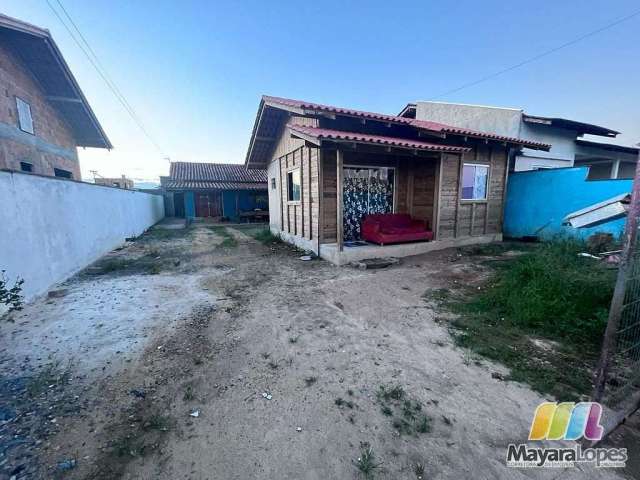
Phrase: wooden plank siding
{"type": "Point", "coordinates": [298, 218]}
{"type": "Point", "coordinates": [460, 218]}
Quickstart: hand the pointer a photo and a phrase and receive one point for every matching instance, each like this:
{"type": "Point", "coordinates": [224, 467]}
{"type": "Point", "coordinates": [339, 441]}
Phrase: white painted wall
{"type": "Point", "coordinates": [275, 196]}
{"type": "Point", "coordinates": [501, 121]}
{"type": "Point", "coordinates": [51, 228]}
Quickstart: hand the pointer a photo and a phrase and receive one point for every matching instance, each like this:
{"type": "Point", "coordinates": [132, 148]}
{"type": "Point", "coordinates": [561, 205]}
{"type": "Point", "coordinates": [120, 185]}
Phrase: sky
{"type": "Point", "coordinates": [194, 71]}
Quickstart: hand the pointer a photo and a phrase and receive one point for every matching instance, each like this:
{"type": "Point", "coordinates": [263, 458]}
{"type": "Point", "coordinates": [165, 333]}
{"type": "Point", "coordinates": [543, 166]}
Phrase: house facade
{"type": "Point", "coordinates": [220, 191]}
{"type": "Point", "coordinates": [568, 148]}
{"type": "Point", "coordinates": [44, 115]}
{"type": "Point", "coordinates": [122, 182]}
{"type": "Point", "coordinates": [329, 167]}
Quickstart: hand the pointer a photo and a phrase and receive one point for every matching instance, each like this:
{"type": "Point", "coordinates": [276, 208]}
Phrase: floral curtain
{"type": "Point", "coordinates": [365, 191]}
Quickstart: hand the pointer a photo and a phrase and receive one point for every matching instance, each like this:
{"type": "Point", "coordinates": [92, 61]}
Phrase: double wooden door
{"type": "Point", "coordinates": [208, 204]}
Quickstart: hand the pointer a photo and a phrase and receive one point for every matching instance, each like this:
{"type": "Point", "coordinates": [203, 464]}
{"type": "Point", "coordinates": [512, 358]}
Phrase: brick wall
{"type": "Point", "coordinates": [51, 131]}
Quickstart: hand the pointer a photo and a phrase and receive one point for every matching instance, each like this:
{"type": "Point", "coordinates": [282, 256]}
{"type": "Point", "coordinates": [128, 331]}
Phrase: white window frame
{"type": "Point", "coordinates": [486, 189]}
{"type": "Point", "coordinates": [25, 119]}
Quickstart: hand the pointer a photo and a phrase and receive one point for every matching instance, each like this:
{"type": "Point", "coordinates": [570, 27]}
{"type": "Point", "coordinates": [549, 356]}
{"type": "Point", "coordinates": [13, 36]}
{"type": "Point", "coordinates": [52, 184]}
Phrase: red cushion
{"type": "Point", "coordinates": [394, 228]}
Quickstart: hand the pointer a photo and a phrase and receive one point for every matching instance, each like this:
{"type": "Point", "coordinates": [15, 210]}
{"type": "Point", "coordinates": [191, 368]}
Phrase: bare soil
{"type": "Point", "coordinates": [157, 367]}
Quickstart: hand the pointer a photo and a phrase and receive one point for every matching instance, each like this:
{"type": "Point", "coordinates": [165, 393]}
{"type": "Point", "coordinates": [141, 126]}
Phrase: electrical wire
{"type": "Point", "coordinates": [102, 71]}
{"type": "Point", "coordinates": [539, 56]}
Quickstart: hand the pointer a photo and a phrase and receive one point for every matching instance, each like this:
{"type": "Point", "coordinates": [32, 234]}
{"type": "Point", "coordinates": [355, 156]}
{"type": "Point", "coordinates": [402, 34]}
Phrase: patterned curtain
{"type": "Point", "coordinates": [365, 191]}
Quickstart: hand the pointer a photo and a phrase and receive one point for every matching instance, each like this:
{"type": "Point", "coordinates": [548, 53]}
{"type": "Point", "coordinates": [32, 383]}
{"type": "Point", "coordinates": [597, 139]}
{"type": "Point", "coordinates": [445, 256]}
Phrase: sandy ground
{"type": "Point", "coordinates": [137, 354]}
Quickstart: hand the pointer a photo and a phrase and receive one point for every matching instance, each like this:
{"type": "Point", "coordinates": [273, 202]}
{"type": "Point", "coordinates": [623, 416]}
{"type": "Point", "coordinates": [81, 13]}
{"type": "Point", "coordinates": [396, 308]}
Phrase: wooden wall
{"type": "Point", "coordinates": [460, 218]}
{"type": "Point", "coordinates": [418, 198]}
{"type": "Point", "coordinates": [298, 218]}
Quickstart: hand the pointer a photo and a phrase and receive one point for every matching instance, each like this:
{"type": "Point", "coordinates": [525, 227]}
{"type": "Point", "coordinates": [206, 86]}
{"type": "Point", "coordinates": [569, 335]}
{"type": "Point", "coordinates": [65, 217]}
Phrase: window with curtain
{"type": "Point", "coordinates": [474, 181]}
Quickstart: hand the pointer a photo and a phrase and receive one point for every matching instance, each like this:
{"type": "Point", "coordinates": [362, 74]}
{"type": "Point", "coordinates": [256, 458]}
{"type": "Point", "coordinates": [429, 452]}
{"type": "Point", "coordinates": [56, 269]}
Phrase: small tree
{"type": "Point", "coordinates": [12, 297]}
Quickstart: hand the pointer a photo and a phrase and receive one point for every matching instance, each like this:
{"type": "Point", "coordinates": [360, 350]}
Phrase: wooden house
{"type": "Point", "coordinates": [328, 167]}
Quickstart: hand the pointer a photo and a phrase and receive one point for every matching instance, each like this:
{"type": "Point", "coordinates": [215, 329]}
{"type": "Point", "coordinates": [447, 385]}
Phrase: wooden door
{"type": "Point", "coordinates": [208, 204]}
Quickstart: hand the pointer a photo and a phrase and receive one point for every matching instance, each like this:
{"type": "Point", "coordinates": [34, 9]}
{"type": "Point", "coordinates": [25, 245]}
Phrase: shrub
{"type": "Point", "coordinates": [11, 297]}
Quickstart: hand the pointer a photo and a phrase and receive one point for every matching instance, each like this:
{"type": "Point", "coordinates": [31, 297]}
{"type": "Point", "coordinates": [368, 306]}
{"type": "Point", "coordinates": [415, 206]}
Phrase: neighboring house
{"type": "Point", "coordinates": [567, 149]}
{"type": "Point", "coordinates": [218, 190]}
{"type": "Point", "coordinates": [328, 167]}
{"type": "Point", "coordinates": [122, 182]}
{"type": "Point", "coordinates": [43, 114]}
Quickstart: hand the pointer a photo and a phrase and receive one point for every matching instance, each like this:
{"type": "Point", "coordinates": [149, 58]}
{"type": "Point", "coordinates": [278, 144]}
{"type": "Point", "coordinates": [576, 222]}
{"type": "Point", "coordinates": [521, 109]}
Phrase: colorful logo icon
{"type": "Point", "coordinates": [567, 421]}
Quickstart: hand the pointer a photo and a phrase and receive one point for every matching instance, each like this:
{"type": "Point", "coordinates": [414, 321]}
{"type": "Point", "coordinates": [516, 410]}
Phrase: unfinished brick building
{"type": "Point", "coordinates": [44, 115]}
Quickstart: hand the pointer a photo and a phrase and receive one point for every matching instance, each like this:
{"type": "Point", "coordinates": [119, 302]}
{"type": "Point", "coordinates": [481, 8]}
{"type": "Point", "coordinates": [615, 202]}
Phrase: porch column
{"type": "Point", "coordinates": [339, 200]}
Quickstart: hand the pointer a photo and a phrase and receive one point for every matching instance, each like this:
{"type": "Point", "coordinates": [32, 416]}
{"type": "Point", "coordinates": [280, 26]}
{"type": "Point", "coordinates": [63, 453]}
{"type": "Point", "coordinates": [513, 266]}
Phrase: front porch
{"type": "Point", "coordinates": [332, 252]}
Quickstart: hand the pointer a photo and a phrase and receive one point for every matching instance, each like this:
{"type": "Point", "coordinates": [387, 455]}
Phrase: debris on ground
{"type": "Point", "coordinates": [65, 465]}
{"type": "Point", "coordinates": [195, 413]}
{"type": "Point", "coordinates": [374, 263]}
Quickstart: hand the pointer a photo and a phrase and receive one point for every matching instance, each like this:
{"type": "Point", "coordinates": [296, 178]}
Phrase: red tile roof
{"type": "Point", "coordinates": [340, 135]}
{"type": "Point", "coordinates": [222, 172]}
{"type": "Point", "coordinates": [309, 107]}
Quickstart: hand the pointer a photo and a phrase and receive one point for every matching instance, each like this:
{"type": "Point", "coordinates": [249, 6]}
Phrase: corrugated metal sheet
{"type": "Point", "coordinates": [340, 135]}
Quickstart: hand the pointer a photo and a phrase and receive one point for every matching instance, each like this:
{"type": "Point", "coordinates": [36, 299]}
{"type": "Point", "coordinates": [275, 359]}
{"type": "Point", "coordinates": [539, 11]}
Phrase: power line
{"type": "Point", "coordinates": [539, 56]}
{"type": "Point", "coordinates": [102, 71]}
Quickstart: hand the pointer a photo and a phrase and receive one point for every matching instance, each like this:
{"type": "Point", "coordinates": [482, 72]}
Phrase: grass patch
{"type": "Point", "coordinates": [366, 462]}
{"type": "Point", "coordinates": [228, 240]}
{"type": "Point", "coordinates": [405, 413]}
{"type": "Point", "coordinates": [50, 376]}
{"type": "Point", "coordinates": [265, 237]}
{"type": "Point", "coordinates": [549, 293]}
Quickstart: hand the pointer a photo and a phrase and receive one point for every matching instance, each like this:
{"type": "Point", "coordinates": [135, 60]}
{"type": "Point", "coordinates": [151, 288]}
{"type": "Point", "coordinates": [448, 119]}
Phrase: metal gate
{"type": "Point", "coordinates": [617, 380]}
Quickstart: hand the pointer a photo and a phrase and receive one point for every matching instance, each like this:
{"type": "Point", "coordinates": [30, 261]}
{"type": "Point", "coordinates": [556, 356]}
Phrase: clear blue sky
{"type": "Point", "coordinates": [194, 70]}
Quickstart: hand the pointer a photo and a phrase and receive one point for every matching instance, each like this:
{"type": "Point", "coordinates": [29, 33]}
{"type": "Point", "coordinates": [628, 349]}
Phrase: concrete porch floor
{"type": "Point", "coordinates": [330, 252]}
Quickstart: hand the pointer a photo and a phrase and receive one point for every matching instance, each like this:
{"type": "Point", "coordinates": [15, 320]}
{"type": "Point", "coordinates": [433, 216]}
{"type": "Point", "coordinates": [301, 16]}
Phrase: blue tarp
{"type": "Point", "coordinates": [538, 201]}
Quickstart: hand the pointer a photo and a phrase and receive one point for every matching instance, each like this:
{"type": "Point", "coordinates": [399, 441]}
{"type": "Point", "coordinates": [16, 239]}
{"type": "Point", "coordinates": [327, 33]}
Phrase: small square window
{"type": "Point", "coordinates": [25, 122]}
{"type": "Point", "coordinates": [474, 181]}
{"type": "Point", "coordinates": [58, 172]}
{"type": "Point", "coordinates": [26, 167]}
{"type": "Point", "coordinates": [273, 183]}
{"type": "Point", "coordinates": [293, 185]}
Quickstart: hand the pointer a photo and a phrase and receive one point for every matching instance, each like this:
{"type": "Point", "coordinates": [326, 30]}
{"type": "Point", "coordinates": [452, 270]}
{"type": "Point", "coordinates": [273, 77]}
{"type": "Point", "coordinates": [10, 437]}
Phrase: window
{"type": "Point", "coordinates": [58, 172]}
{"type": "Point", "coordinates": [273, 183]}
{"type": "Point", "coordinates": [25, 122]}
{"type": "Point", "coordinates": [293, 185]}
{"type": "Point", "coordinates": [474, 181]}
{"type": "Point", "coordinates": [26, 167]}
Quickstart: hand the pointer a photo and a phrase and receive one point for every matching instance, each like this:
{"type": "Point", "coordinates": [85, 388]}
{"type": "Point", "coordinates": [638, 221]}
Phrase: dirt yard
{"type": "Point", "coordinates": [205, 354]}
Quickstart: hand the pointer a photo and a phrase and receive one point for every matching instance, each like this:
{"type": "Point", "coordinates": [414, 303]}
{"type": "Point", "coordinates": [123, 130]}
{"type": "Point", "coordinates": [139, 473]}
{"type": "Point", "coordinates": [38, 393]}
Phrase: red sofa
{"type": "Point", "coordinates": [394, 228]}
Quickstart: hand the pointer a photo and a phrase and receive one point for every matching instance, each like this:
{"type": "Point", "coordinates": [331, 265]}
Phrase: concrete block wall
{"type": "Point", "coordinates": [52, 145]}
{"type": "Point", "coordinates": [51, 228]}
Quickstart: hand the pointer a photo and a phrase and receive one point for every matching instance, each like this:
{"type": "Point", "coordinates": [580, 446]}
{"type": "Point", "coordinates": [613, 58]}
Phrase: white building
{"type": "Point", "coordinates": [568, 148]}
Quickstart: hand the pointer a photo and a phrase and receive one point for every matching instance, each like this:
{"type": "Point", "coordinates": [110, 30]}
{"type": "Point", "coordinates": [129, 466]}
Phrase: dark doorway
{"type": "Point", "coordinates": [208, 204]}
{"type": "Point", "coordinates": [178, 204]}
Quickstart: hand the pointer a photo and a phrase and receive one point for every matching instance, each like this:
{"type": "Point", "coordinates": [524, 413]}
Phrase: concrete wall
{"type": "Point", "coordinates": [51, 228]}
{"type": "Point", "coordinates": [538, 201]}
{"type": "Point", "coordinates": [501, 121]}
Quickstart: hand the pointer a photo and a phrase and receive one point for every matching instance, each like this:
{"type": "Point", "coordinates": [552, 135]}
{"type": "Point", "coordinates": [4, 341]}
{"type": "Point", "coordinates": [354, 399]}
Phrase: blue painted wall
{"type": "Point", "coordinates": [537, 201]}
{"type": "Point", "coordinates": [189, 205]}
{"type": "Point", "coordinates": [246, 200]}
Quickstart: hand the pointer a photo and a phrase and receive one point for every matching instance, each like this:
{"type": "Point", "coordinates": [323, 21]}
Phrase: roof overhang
{"type": "Point", "coordinates": [273, 111]}
{"type": "Point", "coordinates": [316, 136]}
{"type": "Point", "coordinates": [409, 111]}
{"type": "Point", "coordinates": [39, 53]}
{"type": "Point", "coordinates": [580, 127]}
{"type": "Point", "coordinates": [608, 147]}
